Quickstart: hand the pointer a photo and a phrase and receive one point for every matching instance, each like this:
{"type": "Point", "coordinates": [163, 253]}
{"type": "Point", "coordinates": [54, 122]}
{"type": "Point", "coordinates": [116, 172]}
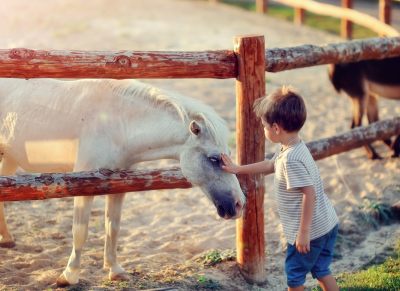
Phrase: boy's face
{"type": "Point", "coordinates": [271, 132]}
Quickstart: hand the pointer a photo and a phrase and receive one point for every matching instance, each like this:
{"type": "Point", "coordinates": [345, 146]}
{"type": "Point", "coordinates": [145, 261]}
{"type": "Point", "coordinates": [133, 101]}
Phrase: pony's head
{"type": "Point", "coordinates": [200, 161]}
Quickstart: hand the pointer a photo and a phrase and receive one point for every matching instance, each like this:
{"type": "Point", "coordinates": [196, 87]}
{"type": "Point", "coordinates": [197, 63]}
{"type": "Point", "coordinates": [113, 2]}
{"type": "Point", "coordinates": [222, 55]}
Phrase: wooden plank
{"type": "Point", "coordinates": [353, 139]}
{"type": "Point", "coordinates": [281, 59]}
{"type": "Point", "coordinates": [385, 11]}
{"type": "Point", "coordinates": [28, 63]}
{"type": "Point", "coordinates": [99, 182]}
{"type": "Point", "coordinates": [346, 26]}
{"type": "Point", "coordinates": [352, 15]}
{"type": "Point", "coordinates": [250, 85]}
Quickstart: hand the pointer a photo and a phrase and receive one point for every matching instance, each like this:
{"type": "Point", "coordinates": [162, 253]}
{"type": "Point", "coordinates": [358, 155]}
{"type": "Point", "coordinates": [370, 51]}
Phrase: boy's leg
{"type": "Point", "coordinates": [297, 265]}
{"type": "Point", "coordinates": [328, 283]}
{"type": "Point", "coordinates": [321, 269]}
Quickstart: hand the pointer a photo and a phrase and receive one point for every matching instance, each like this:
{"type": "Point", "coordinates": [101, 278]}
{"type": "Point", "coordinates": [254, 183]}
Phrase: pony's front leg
{"type": "Point", "coordinates": [112, 226]}
{"type": "Point", "coordinates": [8, 167]}
{"type": "Point", "coordinates": [82, 206]}
{"type": "Point", "coordinates": [6, 240]}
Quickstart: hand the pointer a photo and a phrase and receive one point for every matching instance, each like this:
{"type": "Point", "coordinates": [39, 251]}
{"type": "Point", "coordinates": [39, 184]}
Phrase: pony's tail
{"type": "Point", "coordinates": [333, 77]}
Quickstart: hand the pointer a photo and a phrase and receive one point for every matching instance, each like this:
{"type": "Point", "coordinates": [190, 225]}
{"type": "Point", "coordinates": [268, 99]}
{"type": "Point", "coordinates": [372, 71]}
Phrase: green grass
{"type": "Point", "coordinates": [381, 277]}
{"type": "Point", "coordinates": [328, 24]}
{"type": "Point", "coordinates": [376, 213]}
{"type": "Point", "coordinates": [243, 4]}
{"type": "Point", "coordinates": [213, 257]}
{"type": "Point", "coordinates": [204, 282]}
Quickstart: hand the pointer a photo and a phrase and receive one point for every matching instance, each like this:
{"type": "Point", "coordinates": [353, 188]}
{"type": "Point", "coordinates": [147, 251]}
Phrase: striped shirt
{"type": "Point", "coordinates": [295, 168]}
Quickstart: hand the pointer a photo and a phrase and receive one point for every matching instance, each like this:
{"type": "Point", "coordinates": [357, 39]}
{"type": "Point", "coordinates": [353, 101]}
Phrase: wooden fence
{"type": "Point", "coordinates": [347, 15]}
{"type": "Point", "coordinates": [247, 63]}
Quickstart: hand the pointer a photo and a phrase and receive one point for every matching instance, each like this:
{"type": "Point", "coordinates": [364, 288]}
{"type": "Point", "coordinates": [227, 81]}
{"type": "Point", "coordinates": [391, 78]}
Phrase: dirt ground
{"type": "Point", "coordinates": [164, 233]}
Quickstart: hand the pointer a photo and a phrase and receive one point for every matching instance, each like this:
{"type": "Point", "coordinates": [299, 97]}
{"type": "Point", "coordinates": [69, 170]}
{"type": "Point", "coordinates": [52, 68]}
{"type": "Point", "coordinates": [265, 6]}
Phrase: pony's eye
{"type": "Point", "coordinates": [214, 160]}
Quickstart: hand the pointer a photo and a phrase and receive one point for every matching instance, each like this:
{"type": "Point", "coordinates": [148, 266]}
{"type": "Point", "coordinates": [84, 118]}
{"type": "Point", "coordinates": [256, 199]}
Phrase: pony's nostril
{"type": "Point", "coordinates": [238, 206]}
{"type": "Point", "coordinates": [221, 210]}
{"type": "Point", "coordinates": [231, 211]}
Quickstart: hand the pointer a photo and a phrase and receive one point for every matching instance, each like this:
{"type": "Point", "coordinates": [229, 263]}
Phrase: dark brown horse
{"type": "Point", "coordinates": [364, 81]}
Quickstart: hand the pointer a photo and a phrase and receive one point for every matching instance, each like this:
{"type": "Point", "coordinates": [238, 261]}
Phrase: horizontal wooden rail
{"type": "Point", "coordinates": [343, 13]}
{"type": "Point", "coordinates": [100, 182]}
{"type": "Point", "coordinates": [355, 138]}
{"type": "Point", "coordinates": [28, 63]}
{"type": "Point", "coordinates": [281, 59]}
{"type": "Point", "coordinates": [103, 181]}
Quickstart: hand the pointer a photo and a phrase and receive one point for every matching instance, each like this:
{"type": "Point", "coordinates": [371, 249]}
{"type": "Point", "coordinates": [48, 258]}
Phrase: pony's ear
{"type": "Point", "coordinates": [194, 127]}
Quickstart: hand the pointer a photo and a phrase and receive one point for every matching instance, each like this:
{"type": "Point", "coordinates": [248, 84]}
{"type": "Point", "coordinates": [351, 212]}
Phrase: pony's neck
{"type": "Point", "coordinates": [162, 139]}
{"type": "Point", "coordinates": [166, 143]}
{"type": "Point", "coordinates": [161, 122]}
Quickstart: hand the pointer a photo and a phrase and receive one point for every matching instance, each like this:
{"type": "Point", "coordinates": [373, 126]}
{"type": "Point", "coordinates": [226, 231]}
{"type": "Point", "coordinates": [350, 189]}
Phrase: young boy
{"type": "Point", "coordinates": [308, 218]}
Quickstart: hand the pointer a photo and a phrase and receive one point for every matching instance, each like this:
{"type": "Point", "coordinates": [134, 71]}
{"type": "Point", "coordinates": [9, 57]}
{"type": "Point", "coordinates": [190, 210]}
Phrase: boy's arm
{"type": "Point", "coordinates": [303, 237]}
{"type": "Point", "coordinates": [266, 167]}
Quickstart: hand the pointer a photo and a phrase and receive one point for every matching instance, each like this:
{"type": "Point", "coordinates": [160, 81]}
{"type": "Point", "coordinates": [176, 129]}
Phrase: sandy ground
{"type": "Point", "coordinates": [164, 231]}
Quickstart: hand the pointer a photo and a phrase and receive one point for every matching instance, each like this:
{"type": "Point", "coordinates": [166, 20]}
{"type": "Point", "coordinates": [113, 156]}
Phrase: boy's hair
{"type": "Point", "coordinates": [284, 106]}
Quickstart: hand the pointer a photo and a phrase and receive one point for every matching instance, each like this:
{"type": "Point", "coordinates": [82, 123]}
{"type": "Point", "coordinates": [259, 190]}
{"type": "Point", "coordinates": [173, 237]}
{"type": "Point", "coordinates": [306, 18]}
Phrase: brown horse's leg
{"type": "Point", "coordinates": [396, 147]}
{"type": "Point", "coordinates": [373, 114]}
{"type": "Point", "coordinates": [359, 103]}
{"type": "Point", "coordinates": [358, 111]}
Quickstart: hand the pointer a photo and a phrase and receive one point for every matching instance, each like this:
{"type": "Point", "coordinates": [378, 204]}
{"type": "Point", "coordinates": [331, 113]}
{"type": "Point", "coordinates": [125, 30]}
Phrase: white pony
{"type": "Point", "coordinates": [57, 126]}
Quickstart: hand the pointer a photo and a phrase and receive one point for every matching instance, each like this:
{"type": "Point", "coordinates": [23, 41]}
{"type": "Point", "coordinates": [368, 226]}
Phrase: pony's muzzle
{"type": "Point", "coordinates": [239, 206]}
{"type": "Point", "coordinates": [229, 208]}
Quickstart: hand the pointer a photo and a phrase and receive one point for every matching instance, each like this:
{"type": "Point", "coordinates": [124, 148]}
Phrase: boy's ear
{"type": "Point", "coordinates": [276, 128]}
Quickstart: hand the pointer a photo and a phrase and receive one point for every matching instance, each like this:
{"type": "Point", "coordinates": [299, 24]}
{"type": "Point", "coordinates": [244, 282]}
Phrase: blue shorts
{"type": "Point", "coordinates": [316, 261]}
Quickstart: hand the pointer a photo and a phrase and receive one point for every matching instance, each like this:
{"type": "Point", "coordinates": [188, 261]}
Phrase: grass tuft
{"type": "Point", "coordinates": [376, 213]}
{"type": "Point", "coordinates": [213, 257]}
{"type": "Point", "coordinates": [207, 283]}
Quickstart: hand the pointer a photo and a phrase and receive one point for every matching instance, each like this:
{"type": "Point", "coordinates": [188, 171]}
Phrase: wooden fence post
{"type": "Point", "coordinates": [346, 26]}
{"type": "Point", "coordinates": [298, 16]}
{"type": "Point", "coordinates": [261, 6]}
{"type": "Point", "coordinates": [385, 11]}
{"type": "Point", "coordinates": [250, 85]}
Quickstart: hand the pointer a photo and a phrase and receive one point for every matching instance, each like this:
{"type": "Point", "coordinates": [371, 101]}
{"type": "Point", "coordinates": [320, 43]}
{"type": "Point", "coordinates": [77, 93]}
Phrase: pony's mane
{"type": "Point", "coordinates": [187, 109]}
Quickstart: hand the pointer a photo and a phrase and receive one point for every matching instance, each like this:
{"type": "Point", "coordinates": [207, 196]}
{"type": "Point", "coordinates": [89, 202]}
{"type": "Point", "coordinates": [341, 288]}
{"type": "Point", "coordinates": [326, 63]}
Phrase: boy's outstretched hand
{"type": "Point", "coordinates": [228, 165]}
